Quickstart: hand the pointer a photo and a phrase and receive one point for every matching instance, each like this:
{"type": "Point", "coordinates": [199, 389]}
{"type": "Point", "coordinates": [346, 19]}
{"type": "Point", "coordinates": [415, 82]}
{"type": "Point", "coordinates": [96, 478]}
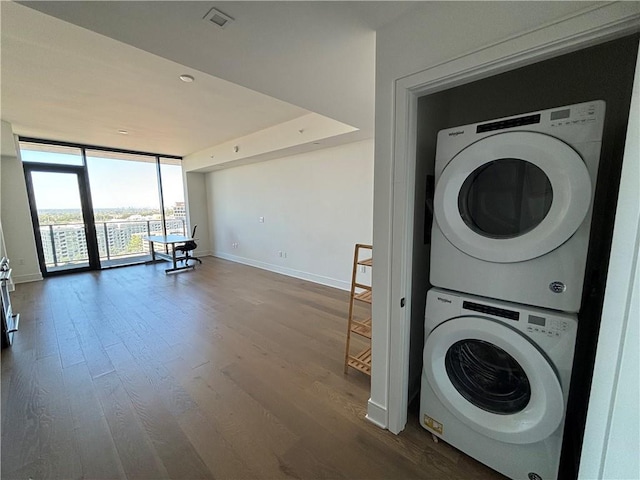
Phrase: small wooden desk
{"type": "Point", "coordinates": [170, 240]}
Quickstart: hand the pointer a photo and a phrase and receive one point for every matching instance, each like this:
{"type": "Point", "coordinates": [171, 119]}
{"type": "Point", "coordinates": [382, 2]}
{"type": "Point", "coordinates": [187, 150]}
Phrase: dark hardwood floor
{"type": "Point", "coordinates": [225, 372]}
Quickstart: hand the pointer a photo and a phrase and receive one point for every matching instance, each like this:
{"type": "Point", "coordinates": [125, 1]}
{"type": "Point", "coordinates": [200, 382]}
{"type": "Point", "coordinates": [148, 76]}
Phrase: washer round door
{"type": "Point", "coordinates": [512, 196]}
{"type": "Point", "coordinates": [494, 380]}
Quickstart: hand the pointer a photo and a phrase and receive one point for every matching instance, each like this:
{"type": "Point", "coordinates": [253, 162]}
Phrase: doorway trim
{"type": "Point", "coordinates": [564, 36]}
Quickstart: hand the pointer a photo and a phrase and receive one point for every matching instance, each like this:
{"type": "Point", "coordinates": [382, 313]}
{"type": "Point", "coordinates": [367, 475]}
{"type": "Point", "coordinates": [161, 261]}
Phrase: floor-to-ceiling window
{"type": "Point", "coordinates": [175, 213]}
{"type": "Point", "coordinates": [126, 203]}
{"type": "Point", "coordinates": [92, 206]}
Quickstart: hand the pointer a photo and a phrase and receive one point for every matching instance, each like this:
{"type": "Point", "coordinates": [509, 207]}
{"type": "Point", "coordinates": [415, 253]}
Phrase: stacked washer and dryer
{"type": "Point", "coordinates": [512, 215]}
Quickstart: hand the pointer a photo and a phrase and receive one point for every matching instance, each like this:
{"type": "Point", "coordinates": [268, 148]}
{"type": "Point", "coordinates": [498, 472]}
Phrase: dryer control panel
{"type": "Point", "coordinates": [573, 124]}
{"type": "Point", "coordinates": [579, 114]}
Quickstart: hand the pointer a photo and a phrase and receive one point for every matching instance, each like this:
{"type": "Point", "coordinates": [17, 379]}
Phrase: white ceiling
{"type": "Point", "coordinates": [276, 62]}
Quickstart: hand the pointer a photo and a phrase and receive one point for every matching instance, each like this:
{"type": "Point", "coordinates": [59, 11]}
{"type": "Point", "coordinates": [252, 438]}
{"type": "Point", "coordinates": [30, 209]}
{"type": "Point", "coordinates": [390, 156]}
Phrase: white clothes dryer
{"type": "Point", "coordinates": [495, 381]}
{"type": "Point", "coordinates": [513, 204]}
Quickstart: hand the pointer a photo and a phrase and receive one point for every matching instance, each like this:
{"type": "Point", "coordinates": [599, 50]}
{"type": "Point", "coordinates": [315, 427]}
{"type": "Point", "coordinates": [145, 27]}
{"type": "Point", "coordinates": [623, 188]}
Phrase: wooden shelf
{"type": "Point", "coordinates": [364, 296]}
{"type": "Point", "coordinates": [367, 262]}
{"type": "Point", "coordinates": [361, 292]}
{"type": "Point", "coordinates": [362, 328]}
{"type": "Point", "coordinates": [361, 361]}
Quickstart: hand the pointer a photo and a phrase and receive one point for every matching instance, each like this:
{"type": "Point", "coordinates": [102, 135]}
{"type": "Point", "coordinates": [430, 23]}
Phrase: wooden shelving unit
{"type": "Point", "coordinates": [358, 323]}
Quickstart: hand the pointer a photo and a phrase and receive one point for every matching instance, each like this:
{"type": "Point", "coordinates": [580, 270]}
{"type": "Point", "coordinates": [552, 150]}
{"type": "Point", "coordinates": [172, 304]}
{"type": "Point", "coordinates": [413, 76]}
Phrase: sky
{"type": "Point", "coordinates": [113, 183]}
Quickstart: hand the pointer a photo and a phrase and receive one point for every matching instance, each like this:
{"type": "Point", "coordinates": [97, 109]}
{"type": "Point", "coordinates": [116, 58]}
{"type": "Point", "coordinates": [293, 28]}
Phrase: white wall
{"type": "Point", "coordinates": [16, 217]}
{"type": "Point", "coordinates": [196, 196]}
{"type": "Point", "coordinates": [4, 140]}
{"type": "Point", "coordinates": [7, 143]}
{"type": "Point", "coordinates": [316, 206]}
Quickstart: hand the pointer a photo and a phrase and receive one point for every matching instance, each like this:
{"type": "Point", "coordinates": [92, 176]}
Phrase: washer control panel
{"type": "Point", "coordinates": [535, 324]}
{"type": "Point", "coordinates": [551, 327]}
{"type": "Point", "coordinates": [544, 326]}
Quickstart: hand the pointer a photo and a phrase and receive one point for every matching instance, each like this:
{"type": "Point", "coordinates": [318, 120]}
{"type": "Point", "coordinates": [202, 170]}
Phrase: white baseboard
{"type": "Point", "coordinates": [290, 272]}
{"type": "Point", "coordinates": [33, 277]}
{"type": "Point", "coordinates": [377, 414]}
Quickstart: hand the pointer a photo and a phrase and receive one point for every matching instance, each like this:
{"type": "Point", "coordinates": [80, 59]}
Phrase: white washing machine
{"type": "Point", "coordinates": [496, 379]}
{"type": "Point", "coordinates": [513, 203]}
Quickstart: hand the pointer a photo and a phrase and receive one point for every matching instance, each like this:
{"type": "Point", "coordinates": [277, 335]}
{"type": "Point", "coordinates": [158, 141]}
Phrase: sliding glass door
{"type": "Point", "coordinates": [61, 218]}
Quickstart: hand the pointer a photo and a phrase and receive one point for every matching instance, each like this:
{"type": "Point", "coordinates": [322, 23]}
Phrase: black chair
{"type": "Point", "coordinates": [187, 247]}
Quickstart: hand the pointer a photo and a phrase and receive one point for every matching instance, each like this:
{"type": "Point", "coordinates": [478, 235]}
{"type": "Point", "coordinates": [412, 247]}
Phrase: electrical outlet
{"type": "Point", "coordinates": [261, 219]}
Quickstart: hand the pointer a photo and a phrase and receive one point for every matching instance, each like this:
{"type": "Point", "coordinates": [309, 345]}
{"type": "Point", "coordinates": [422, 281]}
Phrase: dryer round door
{"type": "Point", "coordinates": [494, 380]}
{"type": "Point", "coordinates": [512, 196]}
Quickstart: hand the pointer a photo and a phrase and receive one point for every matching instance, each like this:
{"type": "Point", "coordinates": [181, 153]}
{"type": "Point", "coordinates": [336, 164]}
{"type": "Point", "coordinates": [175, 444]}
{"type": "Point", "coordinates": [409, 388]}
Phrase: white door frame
{"type": "Point", "coordinates": [610, 443]}
{"type": "Point", "coordinates": [568, 34]}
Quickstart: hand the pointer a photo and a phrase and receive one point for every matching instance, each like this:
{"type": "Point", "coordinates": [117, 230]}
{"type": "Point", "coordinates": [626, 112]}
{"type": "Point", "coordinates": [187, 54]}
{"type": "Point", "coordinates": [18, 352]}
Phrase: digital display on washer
{"type": "Point", "coordinates": [560, 114]}
{"type": "Point", "coordinates": [540, 321]}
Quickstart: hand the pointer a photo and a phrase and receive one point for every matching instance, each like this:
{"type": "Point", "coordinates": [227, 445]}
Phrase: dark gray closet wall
{"type": "Point", "coordinates": [602, 72]}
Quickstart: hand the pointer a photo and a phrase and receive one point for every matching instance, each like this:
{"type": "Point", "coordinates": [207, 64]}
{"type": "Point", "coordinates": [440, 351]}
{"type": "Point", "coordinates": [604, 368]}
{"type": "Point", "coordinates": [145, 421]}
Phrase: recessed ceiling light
{"type": "Point", "coordinates": [123, 132]}
{"type": "Point", "coordinates": [187, 78]}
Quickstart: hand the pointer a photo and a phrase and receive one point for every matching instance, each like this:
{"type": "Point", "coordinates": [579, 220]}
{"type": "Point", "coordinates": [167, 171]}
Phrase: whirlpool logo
{"type": "Point", "coordinates": [456, 133]}
{"type": "Point", "coordinates": [444, 300]}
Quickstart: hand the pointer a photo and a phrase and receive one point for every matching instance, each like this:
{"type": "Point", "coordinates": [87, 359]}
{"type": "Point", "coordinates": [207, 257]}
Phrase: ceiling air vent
{"type": "Point", "coordinates": [218, 18]}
